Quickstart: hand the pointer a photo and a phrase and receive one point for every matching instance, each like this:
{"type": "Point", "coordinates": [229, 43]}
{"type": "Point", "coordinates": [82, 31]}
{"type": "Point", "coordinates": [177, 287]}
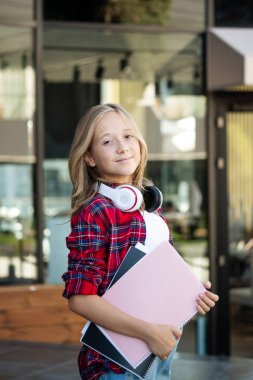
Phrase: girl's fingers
{"type": "Point", "coordinates": [209, 294]}
{"type": "Point", "coordinates": [206, 301]}
{"type": "Point", "coordinates": [212, 296]}
{"type": "Point", "coordinates": [200, 310]}
{"type": "Point", "coordinates": [207, 284]}
{"type": "Point", "coordinates": [202, 306]}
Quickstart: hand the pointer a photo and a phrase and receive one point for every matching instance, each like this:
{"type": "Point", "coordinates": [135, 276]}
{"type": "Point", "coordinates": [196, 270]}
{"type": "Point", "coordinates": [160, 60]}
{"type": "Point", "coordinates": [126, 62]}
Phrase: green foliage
{"type": "Point", "coordinates": [8, 239]}
{"type": "Point", "coordinates": [155, 12]}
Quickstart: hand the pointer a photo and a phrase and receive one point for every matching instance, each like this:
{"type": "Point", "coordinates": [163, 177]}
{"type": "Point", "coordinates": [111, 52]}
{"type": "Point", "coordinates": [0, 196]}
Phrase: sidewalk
{"type": "Point", "coordinates": [38, 361]}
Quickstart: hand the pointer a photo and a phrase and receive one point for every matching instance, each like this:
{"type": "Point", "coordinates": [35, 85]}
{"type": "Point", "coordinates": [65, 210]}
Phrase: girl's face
{"type": "Point", "coordinates": [115, 149]}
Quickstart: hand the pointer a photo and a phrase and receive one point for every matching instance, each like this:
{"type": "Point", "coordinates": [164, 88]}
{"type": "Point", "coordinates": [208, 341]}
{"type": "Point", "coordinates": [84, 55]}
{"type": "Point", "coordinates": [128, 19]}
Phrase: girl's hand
{"type": "Point", "coordinates": [163, 340]}
{"type": "Point", "coordinates": [206, 300]}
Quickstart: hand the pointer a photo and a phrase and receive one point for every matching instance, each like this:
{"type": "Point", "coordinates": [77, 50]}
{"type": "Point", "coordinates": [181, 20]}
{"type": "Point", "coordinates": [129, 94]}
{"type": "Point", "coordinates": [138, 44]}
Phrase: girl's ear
{"type": "Point", "coordinates": [89, 160]}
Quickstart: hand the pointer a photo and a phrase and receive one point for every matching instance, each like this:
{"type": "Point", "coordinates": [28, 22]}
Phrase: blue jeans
{"type": "Point", "coordinates": [160, 370]}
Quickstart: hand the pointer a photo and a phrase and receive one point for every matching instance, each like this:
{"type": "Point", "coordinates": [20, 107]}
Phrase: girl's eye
{"type": "Point", "coordinates": [106, 142]}
{"type": "Point", "coordinates": [129, 136]}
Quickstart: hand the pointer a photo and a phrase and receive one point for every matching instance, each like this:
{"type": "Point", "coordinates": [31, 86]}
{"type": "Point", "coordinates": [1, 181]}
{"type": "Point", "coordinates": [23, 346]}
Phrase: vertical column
{"type": "Point", "coordinates": [218, 328]}
{"type": "Point", "coordinates": [39, 140]}
{"type": "Point", "coordinates": [223, 325]}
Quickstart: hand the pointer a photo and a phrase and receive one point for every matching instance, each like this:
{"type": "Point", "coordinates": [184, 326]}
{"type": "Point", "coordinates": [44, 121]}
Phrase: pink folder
{"type": "Point", "coordinates": [160, 288]}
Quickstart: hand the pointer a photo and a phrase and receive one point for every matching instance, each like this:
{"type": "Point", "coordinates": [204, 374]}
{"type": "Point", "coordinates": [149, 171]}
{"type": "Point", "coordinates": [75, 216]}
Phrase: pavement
{"type": "Point", "coordinates": [43, 361]}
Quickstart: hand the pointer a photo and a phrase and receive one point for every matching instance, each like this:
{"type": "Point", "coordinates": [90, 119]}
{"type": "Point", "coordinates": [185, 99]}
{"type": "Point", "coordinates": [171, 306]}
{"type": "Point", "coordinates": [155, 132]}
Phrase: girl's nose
{"type": "Point", "coordinates": [122, 146]}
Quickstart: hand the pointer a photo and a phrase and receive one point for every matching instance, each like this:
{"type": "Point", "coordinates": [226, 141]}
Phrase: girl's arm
{"type": "Point", "coordinates": [161, 339]}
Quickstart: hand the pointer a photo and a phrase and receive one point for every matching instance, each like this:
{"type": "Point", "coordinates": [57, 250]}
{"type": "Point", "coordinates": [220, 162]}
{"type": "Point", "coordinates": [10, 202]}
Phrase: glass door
{"type": "Point", "coordinates": [240, 229]}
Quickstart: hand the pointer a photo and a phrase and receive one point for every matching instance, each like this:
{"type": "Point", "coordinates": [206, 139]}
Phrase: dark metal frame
{"type": "Point", "coordinates": [39, 139]}
{"type": "Point", "coordinates": [218, 328]}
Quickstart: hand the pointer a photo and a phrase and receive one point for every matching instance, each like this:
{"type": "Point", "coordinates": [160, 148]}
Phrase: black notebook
{"type": "Point", "coordinates": [95, 339]}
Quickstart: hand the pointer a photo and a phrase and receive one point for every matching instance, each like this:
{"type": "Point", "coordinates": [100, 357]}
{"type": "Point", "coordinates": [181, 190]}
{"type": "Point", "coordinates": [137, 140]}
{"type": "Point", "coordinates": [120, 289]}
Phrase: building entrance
{"type": "Point", "coordinates": [240, 229]}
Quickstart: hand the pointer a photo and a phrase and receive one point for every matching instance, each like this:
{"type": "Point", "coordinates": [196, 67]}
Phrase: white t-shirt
{"type": "Point", "coordinates": [157, 230]}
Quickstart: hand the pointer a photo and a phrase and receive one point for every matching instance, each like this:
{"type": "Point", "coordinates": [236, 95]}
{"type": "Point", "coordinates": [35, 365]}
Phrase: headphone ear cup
{"type": "Point", "coordinates": [127, 198]}
{"type": "Point", "coordinates": [152, 198]}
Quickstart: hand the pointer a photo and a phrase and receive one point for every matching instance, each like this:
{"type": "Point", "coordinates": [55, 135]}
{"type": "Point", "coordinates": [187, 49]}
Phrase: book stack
{"type": "Point", "coordinates": [158, 287]}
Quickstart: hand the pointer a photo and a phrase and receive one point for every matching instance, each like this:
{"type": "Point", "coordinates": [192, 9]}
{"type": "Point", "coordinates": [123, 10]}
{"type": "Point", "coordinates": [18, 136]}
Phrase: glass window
{"type": "Point", "coordinates": [16, 10]}
{"type": "Point", "coordinates": [89, 55]}
{"type": "Point", "coordinates": [17, 234]}
{"type": "Point", "coordinates": [176, 127]}
{"type": "Point", "coordinates": [83, 67]}
{"type": "Point", "coordinates": [154, 76]}
{"type": "Point", "coordinates": [158, 78]}
{"type": "Point", "coordinates": [190, 14]}
{"type": "Point", "coordinates": [17, 78]}
{"type": "Point", "coordinates": [184, 187]}
{"type": "Point", "coordinates": [18, 243]}
{"type": "Point", "coordinates": [56, 206]}
{"type": "Point", "coordinates": [183, 184]}
{"type": "Point", "coordinates": [231, 13]}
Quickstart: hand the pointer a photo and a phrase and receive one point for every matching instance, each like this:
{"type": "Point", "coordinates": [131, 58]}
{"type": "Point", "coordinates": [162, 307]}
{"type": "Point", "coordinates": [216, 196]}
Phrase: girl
{"type": "Point", "coordinates": [108, 148]}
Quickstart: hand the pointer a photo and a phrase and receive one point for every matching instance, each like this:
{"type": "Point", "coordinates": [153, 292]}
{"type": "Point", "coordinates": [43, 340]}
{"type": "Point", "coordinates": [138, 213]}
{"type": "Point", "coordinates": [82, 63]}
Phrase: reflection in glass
{"type": "Point", "coordinates": [56, 206]}
{"type": "Point", "coordinates": [84, 66]}
{"type": "Point", "coordinates": [18, 263]}
{"type": "Point", "coordinates": [160, 12]}
{"type": "Point", "coordinates": [17, 10]}
{"type": "Point", "coordinates": [240, 228]}
{"type": "Point", "coordinates": [17, 84]}
{"type": "Point", "coordinates": [240, 188]}
{"type": "Point", "coordinates": [183, 184]}
{"type": "Point", "coordinates": [17, 234]}
{"type": "Point", "coordinates": [176, 126]}
{"type": "Point", "coordinates": [233, 14]}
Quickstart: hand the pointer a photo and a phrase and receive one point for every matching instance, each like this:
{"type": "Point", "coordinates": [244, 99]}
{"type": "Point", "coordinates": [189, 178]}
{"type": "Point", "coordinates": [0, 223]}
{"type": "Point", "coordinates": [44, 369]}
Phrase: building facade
{"type": "Point", "coordinates": [184, 70]}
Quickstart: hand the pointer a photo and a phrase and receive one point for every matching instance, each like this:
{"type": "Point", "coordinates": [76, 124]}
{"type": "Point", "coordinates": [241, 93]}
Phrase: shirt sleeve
{"type": "Point", "coordinates": [87, 254]}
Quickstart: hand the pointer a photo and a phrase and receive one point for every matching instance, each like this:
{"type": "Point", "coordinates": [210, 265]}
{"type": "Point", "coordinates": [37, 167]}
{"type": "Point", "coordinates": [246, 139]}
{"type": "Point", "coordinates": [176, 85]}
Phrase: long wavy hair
{"type": "Point", "coordinates": [84, 178]}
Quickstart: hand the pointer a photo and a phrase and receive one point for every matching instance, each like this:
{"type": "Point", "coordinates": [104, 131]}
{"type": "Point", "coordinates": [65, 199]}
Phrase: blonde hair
{"type": "Point", "coordinates": [83, 177]}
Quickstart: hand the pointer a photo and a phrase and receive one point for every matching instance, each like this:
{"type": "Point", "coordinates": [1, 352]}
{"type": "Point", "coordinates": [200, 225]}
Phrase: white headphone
{"type": "Point", "coordinates": [125, 197]}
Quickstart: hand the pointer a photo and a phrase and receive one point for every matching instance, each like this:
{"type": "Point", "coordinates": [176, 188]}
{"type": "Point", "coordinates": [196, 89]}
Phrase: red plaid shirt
{"type": "Point", "coordinates": [100, 238]}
